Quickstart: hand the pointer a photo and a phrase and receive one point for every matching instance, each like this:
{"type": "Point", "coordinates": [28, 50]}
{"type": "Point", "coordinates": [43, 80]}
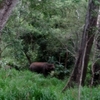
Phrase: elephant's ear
{"type": "Point", "coordinates": [51, 66]}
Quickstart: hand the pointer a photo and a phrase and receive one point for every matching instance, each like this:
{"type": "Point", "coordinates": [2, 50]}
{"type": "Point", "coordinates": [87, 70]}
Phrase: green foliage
{"type": "Point", "coordinates": [41, 29]}
{"type": "Point", "coordinates": [24, 85]}
{"type": "Point", "coordinates": [60, 71]}
{"type": "Point", "coordinates": [0, 0]}
{"type": "Point", "coordinates": [96, 72]}
{"type": "Point", "coordinates": [89, 74]}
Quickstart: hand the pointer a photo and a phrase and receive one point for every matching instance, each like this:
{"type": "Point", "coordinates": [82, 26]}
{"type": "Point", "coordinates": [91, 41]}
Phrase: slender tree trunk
{"type": "Point", "coordinates": [86, 43]}
{"type": "Point", "coordinates": [96, 46]}
{"type": "Point", "coordinates": [6, 8]}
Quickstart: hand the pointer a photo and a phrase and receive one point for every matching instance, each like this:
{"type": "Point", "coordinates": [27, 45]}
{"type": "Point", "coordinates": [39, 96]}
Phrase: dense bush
{"type": "Point", "coordinates": [24, 85]}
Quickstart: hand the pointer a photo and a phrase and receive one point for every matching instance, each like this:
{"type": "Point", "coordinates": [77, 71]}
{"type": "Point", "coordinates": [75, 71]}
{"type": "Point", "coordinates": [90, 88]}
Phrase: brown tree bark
{"type": "Point", "coordinates": [86, 45]}
{"type": "Point", "coordinates": [6, 8]}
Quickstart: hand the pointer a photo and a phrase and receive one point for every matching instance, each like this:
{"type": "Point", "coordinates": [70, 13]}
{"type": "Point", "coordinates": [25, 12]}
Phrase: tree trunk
{"type": "Point", "coordinates": [86, 44]}
{"type": "Point", "coordinates": [6, 8]}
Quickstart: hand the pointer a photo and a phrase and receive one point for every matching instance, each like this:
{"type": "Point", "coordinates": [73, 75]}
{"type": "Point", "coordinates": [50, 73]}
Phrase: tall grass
{"type": "Point", "coordinates": [24, 85]}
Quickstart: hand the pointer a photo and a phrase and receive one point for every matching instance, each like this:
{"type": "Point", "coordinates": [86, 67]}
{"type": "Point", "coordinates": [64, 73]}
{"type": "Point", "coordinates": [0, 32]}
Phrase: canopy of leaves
{"type": "Point", "coordinates": [43, 29]}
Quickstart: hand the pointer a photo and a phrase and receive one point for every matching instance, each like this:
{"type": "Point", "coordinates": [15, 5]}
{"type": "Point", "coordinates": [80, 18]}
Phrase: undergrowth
{"type": "Point", "coordinates": [24, 85]}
